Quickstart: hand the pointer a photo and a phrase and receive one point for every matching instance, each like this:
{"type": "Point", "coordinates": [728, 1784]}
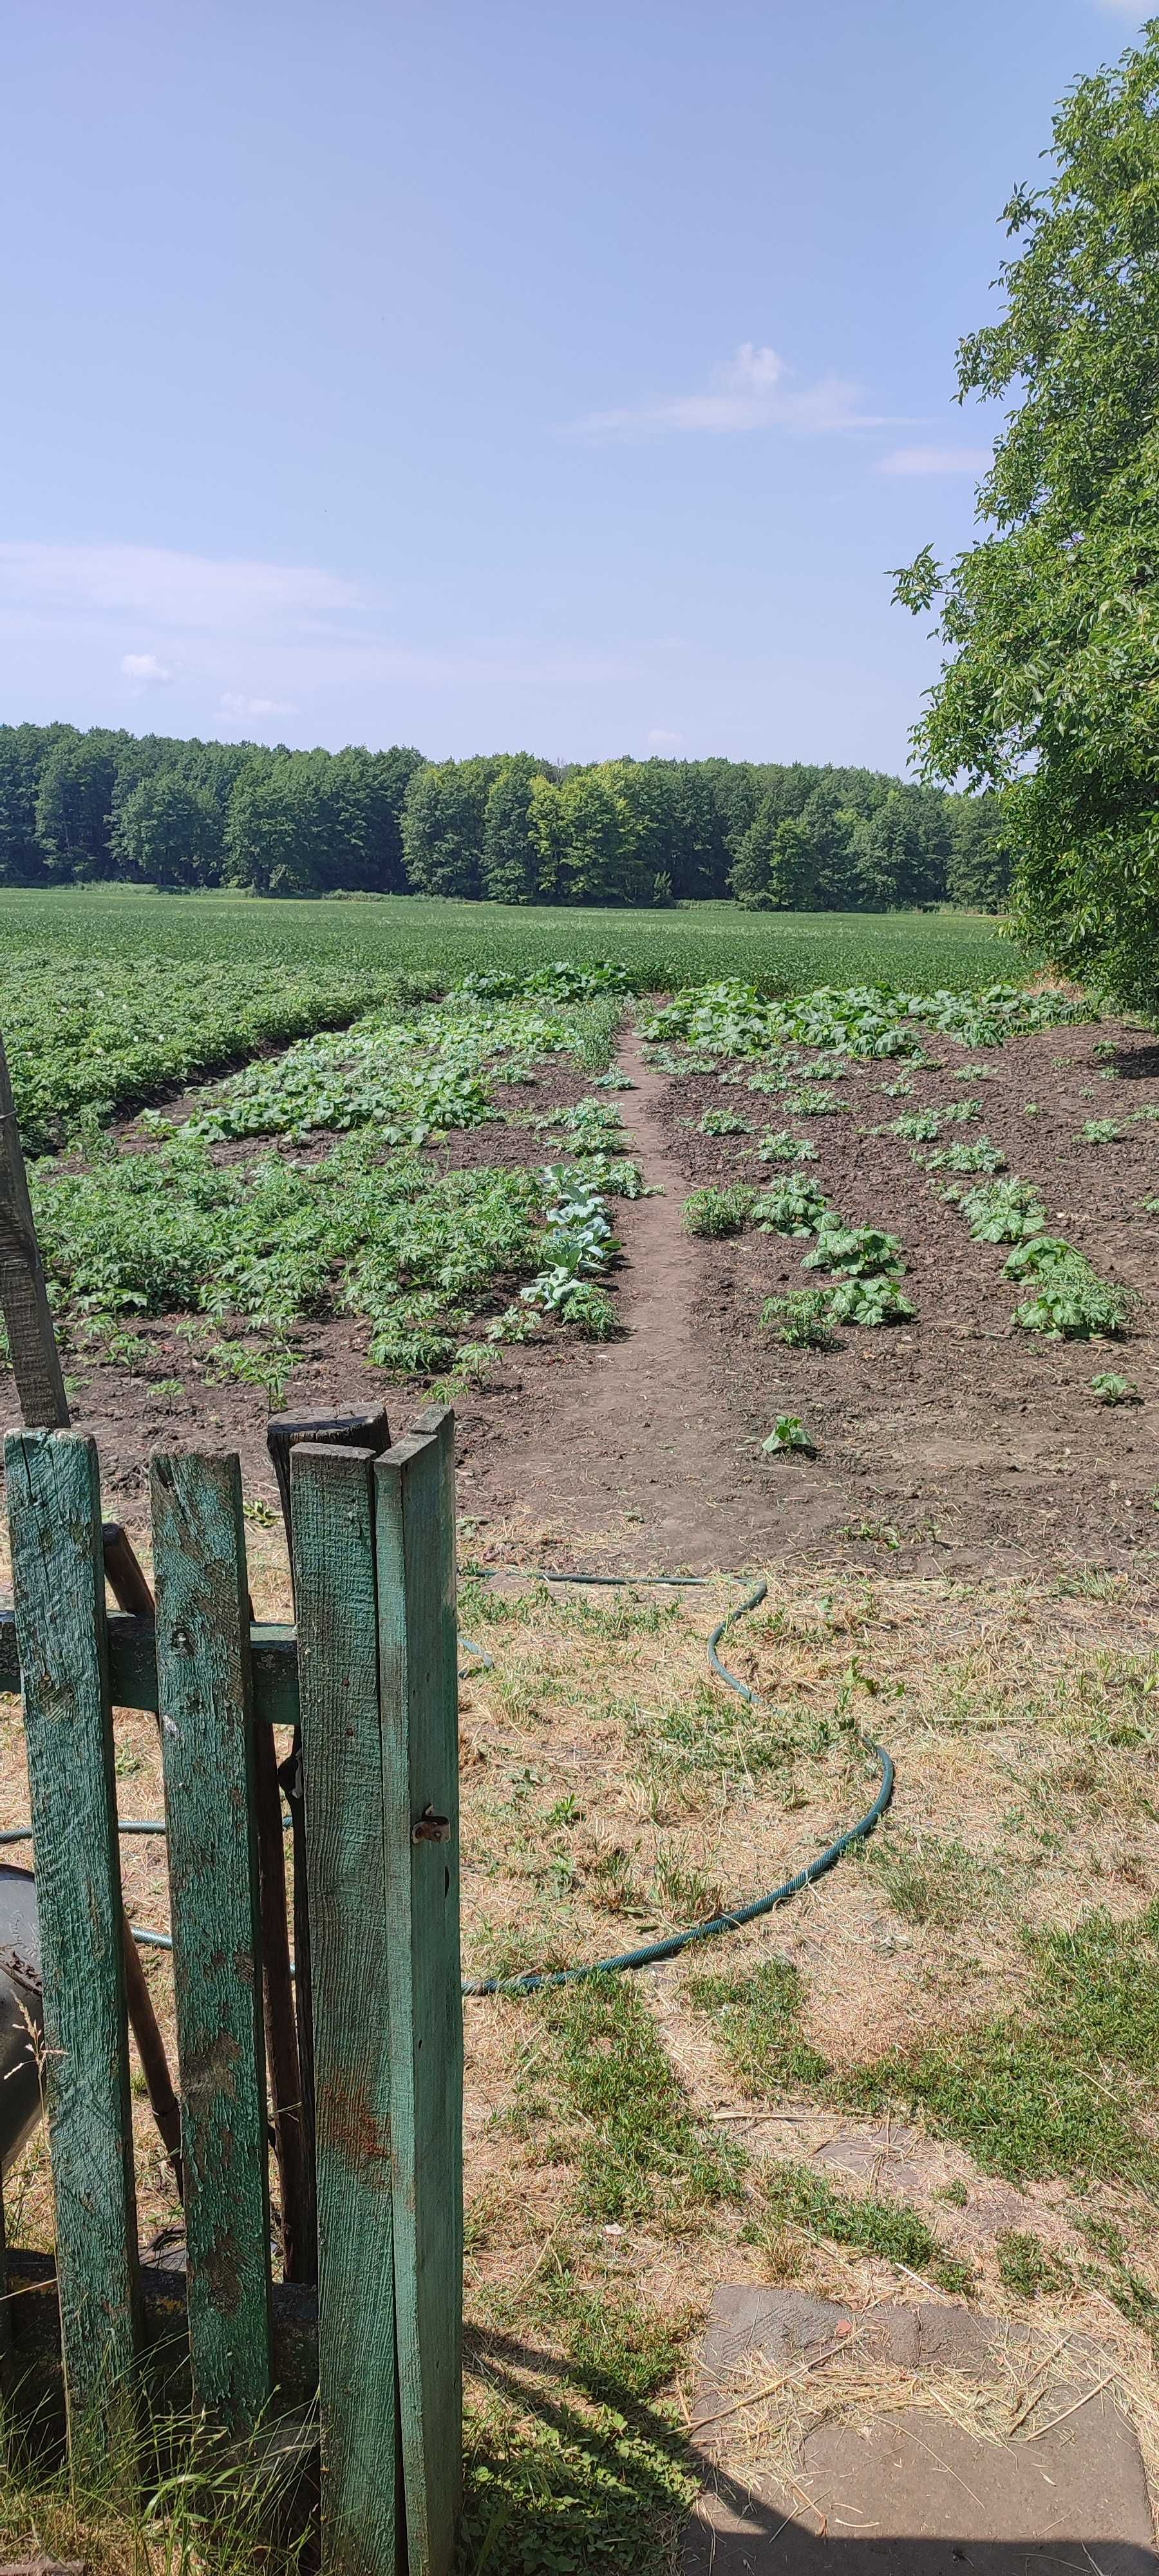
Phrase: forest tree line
{"type": "Point", "coordinates": [149, 809]}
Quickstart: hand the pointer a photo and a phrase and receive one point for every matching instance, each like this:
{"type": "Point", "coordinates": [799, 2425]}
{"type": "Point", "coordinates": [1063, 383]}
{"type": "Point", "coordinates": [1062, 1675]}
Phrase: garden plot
{"type": "Point", "coordinates": [941, 1266]}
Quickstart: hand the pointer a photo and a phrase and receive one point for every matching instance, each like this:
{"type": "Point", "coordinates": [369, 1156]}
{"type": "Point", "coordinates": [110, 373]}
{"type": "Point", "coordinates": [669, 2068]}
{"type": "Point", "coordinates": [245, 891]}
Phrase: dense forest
{"type": "Point", "coordinates": [151, 810]}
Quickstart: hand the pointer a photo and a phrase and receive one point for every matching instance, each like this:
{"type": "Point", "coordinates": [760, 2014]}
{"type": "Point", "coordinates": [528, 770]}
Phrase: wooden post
{"type": "Point", "coordinates": [333, 1527]}
{"type": "Point", "coordinates": [206, 1703]}
{"type": "Point", "coordinates": [59, 1584]}
{"type": "Point", "coordinates": [23, 1295]}
{"type": "Point", "coordinates": [418, 1685]}
{"type": "Point", "coordinates": [368, 1429]}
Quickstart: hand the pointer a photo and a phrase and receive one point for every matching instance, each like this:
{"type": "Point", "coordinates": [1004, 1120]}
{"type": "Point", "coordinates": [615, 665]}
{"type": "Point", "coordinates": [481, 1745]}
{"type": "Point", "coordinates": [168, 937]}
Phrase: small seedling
{"type": "Point", "coordinates": [1111, 1389]}
{"type": "Point", "coordinates": [918, 1128]}
{"type": "Point", "coordinates": [788, 1439]}
{"type": "Point", "coordinates": [1030, 1108]}
{"type": "Point", "coordinates": [1100, 1131]}
{"type": "Point", "coordinates": [724, 1122]}
{"type": "Point", "coordinates": [784, 1147]}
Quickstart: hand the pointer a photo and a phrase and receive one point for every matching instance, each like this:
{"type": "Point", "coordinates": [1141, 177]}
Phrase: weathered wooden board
{"type": "Point", "coordinates": [203, 1669]}
{"type": "Point", "coordinates": [133, 1665]}
{"type": "Point", "coordinates": [332, 1508]}
{"type": "Point", "coordinates": [55, 1518]}
{"type": "Point", "coordinates": [23, 1295]}
{"type": "Point", "coordinates": [415, 1540]}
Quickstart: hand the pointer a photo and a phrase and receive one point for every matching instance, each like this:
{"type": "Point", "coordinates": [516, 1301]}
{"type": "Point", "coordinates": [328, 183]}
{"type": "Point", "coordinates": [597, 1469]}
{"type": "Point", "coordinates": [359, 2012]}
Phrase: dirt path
{"type": "Point", "coordinates": [638, 1445]}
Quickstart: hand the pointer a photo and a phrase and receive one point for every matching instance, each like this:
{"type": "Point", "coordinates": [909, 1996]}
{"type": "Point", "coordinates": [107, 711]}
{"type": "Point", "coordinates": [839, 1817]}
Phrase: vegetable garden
{"type": "Point", "coordinates": [849, 1281]}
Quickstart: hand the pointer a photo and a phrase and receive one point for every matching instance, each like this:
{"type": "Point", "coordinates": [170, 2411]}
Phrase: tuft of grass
{"type": "Point", "coordinates": [929, 1883]}
{"type": "Point", "coordinates": [640, 2151]}
{"type": "Point", "coordinates": [797, 2196]}
{"type": "Point", "coordinates": [717, 1212]}
{"type": "Point", "coordinates": [1027, 2267]}
{"type": "Point", "coordinates": [757, 2027]}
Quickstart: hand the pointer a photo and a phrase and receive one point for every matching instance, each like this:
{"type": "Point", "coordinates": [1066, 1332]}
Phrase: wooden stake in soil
{"type": "Point", "coordinates": [368, 1429]}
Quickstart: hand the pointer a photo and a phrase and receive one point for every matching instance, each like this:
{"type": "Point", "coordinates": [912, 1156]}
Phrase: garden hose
{"type": "Point", "coordinates": [651, 1953]}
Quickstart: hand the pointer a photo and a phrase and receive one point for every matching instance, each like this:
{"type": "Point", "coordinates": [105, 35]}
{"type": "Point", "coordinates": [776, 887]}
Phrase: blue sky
{"type": "Point", "coordinates": [497, 374]}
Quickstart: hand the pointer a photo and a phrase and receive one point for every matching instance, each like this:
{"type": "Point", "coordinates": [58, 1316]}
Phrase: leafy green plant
{"type": "Point", "coordinates": [717, 1212]}
{"type": "Point", "coordinates": [784, 1147]}
{"type": "Point", "coordinates": [1100, 1131]}
{"type": "Point", "coordinates": [982, 1157]}
{"type": "Point", "coordinates": [870, 1302]}
{"type": "Point", "coordinates": [858, 1251]}
{"type": "Point", "coordinates": [801, 1319]}
{"type": "Point", "coordinates": [788, 1439]}
{"type": "Point", "coordinates": [810, 1101]}
{"type": "Point", "coordinates": [1007, 1211]}
{"type": "Point", "coordinates": [1111, 1389]}
{"type": "Point", "coordinates": [1026, 2267]}
{"type": "Point", "coordinates": [794, 1207]}
{"type": "Point", "coordinates": [724, 1122]}
{"type": "Point", "coordinates": [1072, 1302]}
{"type": "Point", "coordinates": [918, 1126]}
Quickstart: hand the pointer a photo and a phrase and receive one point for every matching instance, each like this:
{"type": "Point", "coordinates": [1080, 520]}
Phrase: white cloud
{"type": "Point", "coordinates": [660, 740]}
{"type": "Point", "coordinates": [754, 390]}
{"type": "Point", "coordinates": [235, 704]}
{"type": "Point", "coordinates": [176, 593]}
{"type": "Point", "coordinates": [936, 460]}
{"type": "Point", "coordinates": [144, 667]}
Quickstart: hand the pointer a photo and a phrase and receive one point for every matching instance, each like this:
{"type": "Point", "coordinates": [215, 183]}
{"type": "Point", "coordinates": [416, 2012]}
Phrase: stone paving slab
{"type": "Point", "coordinates": [913, 2493]}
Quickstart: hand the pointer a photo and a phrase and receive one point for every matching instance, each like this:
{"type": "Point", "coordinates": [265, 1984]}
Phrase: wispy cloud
{"type": "Point", "coordinates": [936, 460]}
{"type": "Point", "coordinates": [663, 742]}
{"type": "Point", "coordinates": [146, 669]}
{"type": "Point", "coordinates": [236, 707]}
{"type": "Point", "coordinates": [755, 390]}
{"type": "Point", "coordinates": [172, 592]}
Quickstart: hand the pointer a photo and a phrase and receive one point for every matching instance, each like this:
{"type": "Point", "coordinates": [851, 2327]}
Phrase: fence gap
{"type": "Point", "coordinates": [54, 1513]}
{"type": "Point", "coordinates": [206, 1703]}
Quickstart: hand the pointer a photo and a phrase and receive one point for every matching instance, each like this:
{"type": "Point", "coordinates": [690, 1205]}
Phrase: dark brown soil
{"type": "Point", "coordinates": [954, 1442]}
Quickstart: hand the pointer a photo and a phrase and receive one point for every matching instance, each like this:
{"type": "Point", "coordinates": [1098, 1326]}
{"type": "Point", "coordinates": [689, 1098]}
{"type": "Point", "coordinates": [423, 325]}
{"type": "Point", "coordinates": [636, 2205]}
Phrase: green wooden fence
{"type": "Point", "coordinates": [371, 1680]}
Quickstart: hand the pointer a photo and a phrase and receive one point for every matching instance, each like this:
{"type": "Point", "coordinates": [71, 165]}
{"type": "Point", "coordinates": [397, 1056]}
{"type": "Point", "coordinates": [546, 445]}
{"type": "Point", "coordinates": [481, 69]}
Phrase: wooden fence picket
{"type": "Point", "coordinates": [332, 1511]}
{"type": "Point", "coordinates": [54, 1513]}
{"type": "Point", "coordinates": [418, 1683]}
{"type": "Point", "coordinates": [206, 1703]}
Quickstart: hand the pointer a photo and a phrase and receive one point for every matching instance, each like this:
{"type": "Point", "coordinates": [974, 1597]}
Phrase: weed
{"type": "Point", "coordinates": [1111, 1389]}
{"type": "Point", "coordinates": [797, 2196]}
{"type": "Point", "coordinates": [757, 2026]}
{"type": "Point", "coordinates": [801, 1319]}
{"type": "Point", "coordinates": [872, 1533]}
{"type": "Point", "coordinates": [788, 1439]}
{"type": "Point", "coordinates": [641, 2152]}
{"type": "Point", "coordinates": [717, 1212]}
{"type": "Point", "coordinates": [930, 1883]}
{"type": "Point", "coordinates": [1025, 2265]}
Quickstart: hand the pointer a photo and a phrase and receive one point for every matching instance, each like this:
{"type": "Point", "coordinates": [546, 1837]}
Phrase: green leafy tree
{"type": "Point", "coordinates": [979, 869]}
{"type": "Point", "coordinates": [1050, 691]}
{"type": "Point", "coordinates": [24, 750]}
{"type": "Point", "coordinates": [168, 831]}
{"type": "Point", "coordinates": [74, 804]}
{"type": "Point", "coordinates": [774, 870]}
{"type": "Point", "coordinates": [510, 849]}
{"type": "Point", "coordinates": [443, 822]}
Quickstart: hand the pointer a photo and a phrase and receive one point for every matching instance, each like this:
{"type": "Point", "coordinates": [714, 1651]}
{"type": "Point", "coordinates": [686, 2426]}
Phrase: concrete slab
{"type": "Point", "coordinates": [911, 2492]}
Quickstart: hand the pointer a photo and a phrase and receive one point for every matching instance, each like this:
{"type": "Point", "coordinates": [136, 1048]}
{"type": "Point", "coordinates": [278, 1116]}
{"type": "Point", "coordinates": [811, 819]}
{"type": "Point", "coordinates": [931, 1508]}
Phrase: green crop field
{"type": "Point", "coordinates": [414, 935]}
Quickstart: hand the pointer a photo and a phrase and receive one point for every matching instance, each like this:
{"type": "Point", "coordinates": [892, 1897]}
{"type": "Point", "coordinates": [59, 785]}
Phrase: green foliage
{"type": "Point", "coordinates": [1111, 1389]}
{"type": "Point", "coordinates": [788, 1439]}
{"type": "Point", "coordinates": [735, 1019]}
{"type": "Point", "coordinates": [930, 1882]}
{"type": "Point", "coordinates": [1072, 1303]}
{"type": "Point", "coordinates": [1009, 1211]}
{"type": "Point", "coordinates": [724, 1122]}
{"type": "Point", "coordinates": [1100, 1131]}
{"type": "Point", "coordinates": [797, 2196]}
{"type": "Point", "coordinates": [784, 1147]}
{"type": "Point", "coordinates": [1049, 688]}
{"type": "Point", "coordinates": [757, 2025]}
{"type": "Point", "coordinates": [982, 1157]}
{"type": "Point", "coordinates": [919, 1126]}
{"type": "Point", "coordinates": [801, 1319]}
{"type": "Point", "coordinates": [795, 1207]}
{"type": "Point", "coordinates": [870, 1302]}
{"type": "Point", "coordinates": [716, 1212]}
{"type": "Point", "coordinates": [641, 2152]}
{"type": "Point", "coordinates": [857, 1251]}
{"type": "Point", "coordinates": [1026, 2267]}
